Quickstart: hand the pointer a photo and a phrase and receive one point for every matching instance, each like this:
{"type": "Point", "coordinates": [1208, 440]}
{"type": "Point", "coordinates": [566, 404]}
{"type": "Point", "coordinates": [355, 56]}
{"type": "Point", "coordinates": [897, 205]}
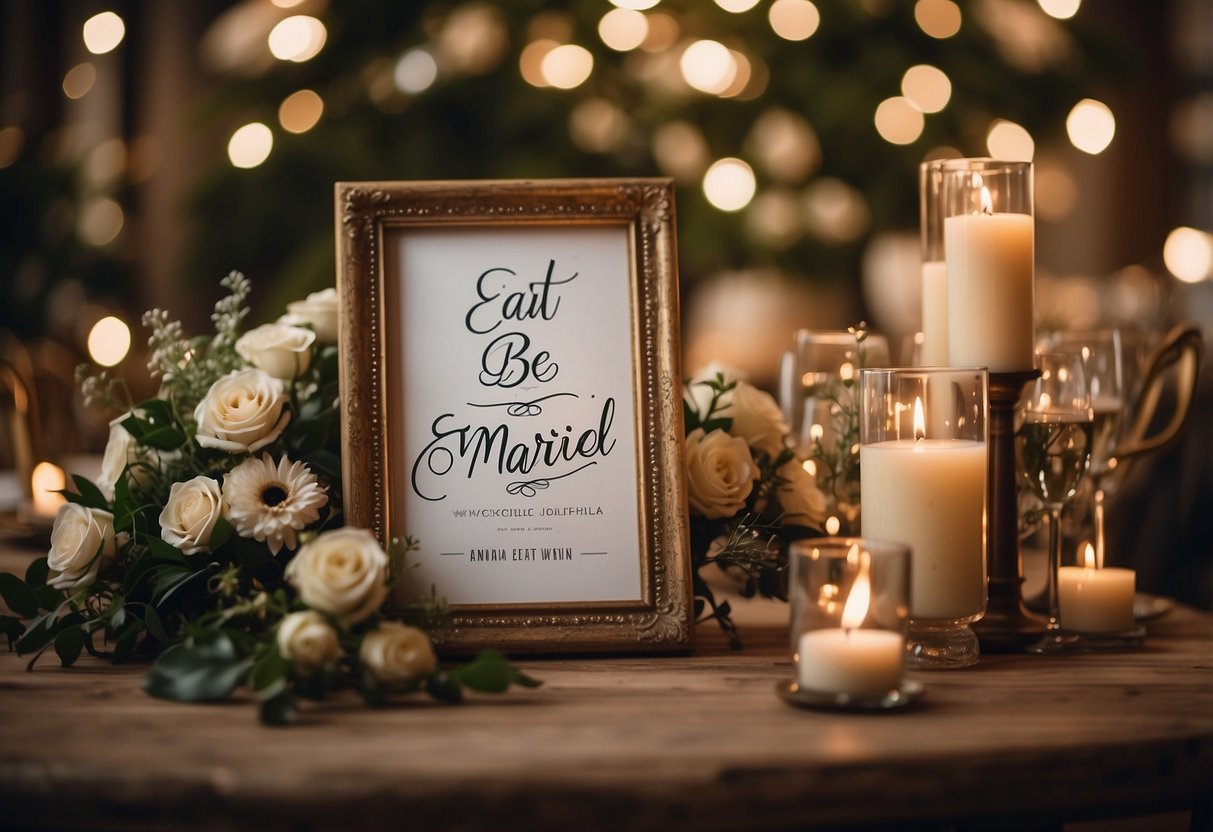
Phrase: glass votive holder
{"type": "Point", "coordinates": [849, 603]}
{"type": "Point", "coordinates": [923, 471]}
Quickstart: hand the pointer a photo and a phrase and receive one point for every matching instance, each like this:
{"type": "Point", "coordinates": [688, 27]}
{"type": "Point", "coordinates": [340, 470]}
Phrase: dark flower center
{"type": "Point", "coordinates": [273, 494]}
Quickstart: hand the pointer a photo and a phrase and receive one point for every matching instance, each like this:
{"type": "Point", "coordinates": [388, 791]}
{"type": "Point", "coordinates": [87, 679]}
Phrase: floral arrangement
{"type": "Point", "coordinates": [749, 495]}
{"type": "Point", "coordinates": [212, 539]}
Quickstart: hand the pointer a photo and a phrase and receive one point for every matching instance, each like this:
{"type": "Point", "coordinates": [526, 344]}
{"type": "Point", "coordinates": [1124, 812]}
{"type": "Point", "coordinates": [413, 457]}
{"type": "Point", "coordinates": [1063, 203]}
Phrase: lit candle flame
{"type": "Point", "coordinates": [856, 608]}
{"type": "Point", "coordinates": [48, 479]}
{"type": "Point", "coordinates": [987, 204]}
{"type": "Point", "coordinates": [920, 424]}
{"type": "Point", "coordinates": [1088, 555]}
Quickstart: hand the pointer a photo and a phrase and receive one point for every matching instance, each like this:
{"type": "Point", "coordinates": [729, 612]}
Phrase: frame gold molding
{"type": "Point", "coordinates": [366, 213]}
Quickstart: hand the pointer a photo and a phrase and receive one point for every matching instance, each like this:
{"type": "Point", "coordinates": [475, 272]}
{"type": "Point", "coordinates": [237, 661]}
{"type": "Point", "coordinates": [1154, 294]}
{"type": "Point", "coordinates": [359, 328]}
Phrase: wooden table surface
{"type": "Point", "coordinates": [698, 742]}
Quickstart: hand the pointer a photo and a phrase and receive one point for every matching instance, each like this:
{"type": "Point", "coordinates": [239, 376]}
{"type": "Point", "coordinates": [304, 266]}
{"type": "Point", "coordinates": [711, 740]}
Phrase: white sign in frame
{"type": "Point", "coordinates": [511, 399]}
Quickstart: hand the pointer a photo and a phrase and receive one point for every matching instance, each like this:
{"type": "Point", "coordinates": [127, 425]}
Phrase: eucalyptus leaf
{"type": "Point", "coordinates": [48, 597]}
{"type": "Point", "coordinates": [491, 672]}
{"type": "Point", "coordinates": [18, 596]}
{"type": "Point", "coordinates": [200, 672]}
{"type": "Point", "coordinates": [38, 634]}
{"type": "Point", "coordinates": [270, 670]}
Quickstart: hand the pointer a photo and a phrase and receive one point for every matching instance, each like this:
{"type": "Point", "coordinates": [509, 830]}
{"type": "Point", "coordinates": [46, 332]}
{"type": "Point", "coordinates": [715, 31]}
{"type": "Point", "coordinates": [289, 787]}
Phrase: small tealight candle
{"type": "Point", "coordinates": [851, 659]}
{"type": "Point", "coordinates": [1093, 599]}
{"type": "Point", "coordinates": [46, 482]}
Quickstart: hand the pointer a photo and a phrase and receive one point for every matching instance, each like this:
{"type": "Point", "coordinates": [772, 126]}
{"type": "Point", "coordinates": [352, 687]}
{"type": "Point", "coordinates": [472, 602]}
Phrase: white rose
{"type": "Point", "coordinates": [720, 473]}
{"type": "Point", "coordinates": [242, 412]}
{"type": "Point", "coordinates": [82, 538]}
{"type": "Point", "coordinates": [281, 350]}
{"type": "Point", "coordinates": [342, 573]}
{"type": "Point", "coordinates": [319, 310]}
{"type": "Point", "coordinates": [802, 502]}
{"type": "Point", "coordinates": [120, 451]}
{"type": "Point", "coordinates": [308, 640]}
{"type": "Point", "coordinates": [190, 515]}
{"type": "Point", "coordinates": [756, 418]}
{"type": "Point", "coordinates": [395, 652]}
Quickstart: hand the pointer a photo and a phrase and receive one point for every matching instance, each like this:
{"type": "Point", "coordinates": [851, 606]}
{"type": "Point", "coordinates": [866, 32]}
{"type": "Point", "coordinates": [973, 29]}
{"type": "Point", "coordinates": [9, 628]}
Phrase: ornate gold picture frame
{"type": "Point", "coordinates": [511, 397]}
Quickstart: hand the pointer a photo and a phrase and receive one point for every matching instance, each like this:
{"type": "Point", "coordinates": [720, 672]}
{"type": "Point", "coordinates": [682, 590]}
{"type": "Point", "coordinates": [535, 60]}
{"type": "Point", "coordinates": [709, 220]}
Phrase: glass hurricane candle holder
{"type": "Point", "coordinates": [934, 352]}
{"type": "Point", "coordinates": [989, 249]}
{"type": "Point", "coordinates": [849, 603]}
{"type": "Point", "coordinates": [923, 474]}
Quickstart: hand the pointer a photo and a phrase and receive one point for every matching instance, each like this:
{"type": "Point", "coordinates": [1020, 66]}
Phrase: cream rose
{"type": "Point", "coordinates": [190, 515]}
{"type": "Point", "coordinates": [756, 418]}
{"type": "Point", "coordinates": [802, 502]}
{"type": "Point", "coordinates": [120, 451]}
{"type": "Point", "coordinates": [395, 652]}
{"type": "Point", "coordinates": [81, 539]}
{"type": "Point", "coordinates": [242, 412]}
{"type": "Point", "coordinates": [720, 473]}
{"type": "Point", "coordinates": [319, 310]}
{"type": "Point", "coordinates": [342, 573]}
{"type": "Point", "coordinates": [281, 350]}
{"type": "Point", "coordinates": [308, 640]}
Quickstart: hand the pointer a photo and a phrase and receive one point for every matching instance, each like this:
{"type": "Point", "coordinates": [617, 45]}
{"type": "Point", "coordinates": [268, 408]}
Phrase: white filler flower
{"type": "Point", "coordinates": [272, 502]}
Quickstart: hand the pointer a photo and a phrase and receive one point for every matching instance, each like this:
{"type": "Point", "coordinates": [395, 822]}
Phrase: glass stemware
{"type": "Point", "coordinates": [1103, 364]}
{"type": "Point", "coordinates": [1053, 446]}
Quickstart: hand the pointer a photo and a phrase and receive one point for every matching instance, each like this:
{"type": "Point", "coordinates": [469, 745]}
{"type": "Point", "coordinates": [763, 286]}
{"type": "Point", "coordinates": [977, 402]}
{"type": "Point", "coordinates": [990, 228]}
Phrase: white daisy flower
{"type": "Point", "coordinates": [269, 502]}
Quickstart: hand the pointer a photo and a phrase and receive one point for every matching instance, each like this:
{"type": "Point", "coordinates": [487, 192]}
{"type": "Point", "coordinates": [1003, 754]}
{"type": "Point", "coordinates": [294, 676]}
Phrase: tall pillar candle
{"type": "Point", "coordinates": [934, 271]}
{"type": "Point", "coordinates": [923, 473]}
{"type": "Point", "coordinates": [989, 248]}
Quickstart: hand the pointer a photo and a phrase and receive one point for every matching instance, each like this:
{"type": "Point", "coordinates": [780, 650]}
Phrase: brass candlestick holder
{"type": "Point", "coordinates": [1007, 626]}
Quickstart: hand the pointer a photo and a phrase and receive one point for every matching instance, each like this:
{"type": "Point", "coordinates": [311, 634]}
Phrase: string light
{"type": "Point", "coordinates": [300, 111]}
{"type": "Point", "coordinates": [1010, 141]}
{"type": "Point", "coordinates": [297, 38]}
{"type": "Point", "coordinates": [109, 341]}
{"type": "Point", "coordinates": [898, 121]}
{"type": "Point", "coordinates": [663, 33]}
{"type": "Point", "coordinates": [794, 19]}
{"type": "Point", "coordinates": [708, 66]}
{"type": "Point", "coordinates": [729, 184]}
{"type": "Point", "coordinates": [623, 29]}
{"type": "Point", "coordinates": [635, 5]}
{"type": "Point", "coordinates": [737, 6]}
{"type": "Point", "coordinates": [1060, 9]}
{"type": "Point", "coordinates": [927, 87]}
{"type": "Point", "coordinates": [1091, 126]}
{"type": "Point", "coordinates": [250, 145]}
{"type": "Point", "coordinates": [1188, 254]}
{"type": "Point", "coordinates": [939, 19]}
{"type": "Point", "coordinates": [530, 62]}
{"type": "Point", "coordinates": [103, 32]}
{"type": "Point", "coordinates": [567, 66]}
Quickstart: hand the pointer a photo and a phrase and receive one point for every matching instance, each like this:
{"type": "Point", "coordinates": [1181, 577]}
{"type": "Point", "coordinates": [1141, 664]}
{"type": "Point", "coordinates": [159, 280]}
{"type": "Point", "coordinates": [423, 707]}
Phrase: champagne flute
{"type": "Point", "coordinates": [1102, 362]}
{"type": "Point", "coordinates": [1054, 449]}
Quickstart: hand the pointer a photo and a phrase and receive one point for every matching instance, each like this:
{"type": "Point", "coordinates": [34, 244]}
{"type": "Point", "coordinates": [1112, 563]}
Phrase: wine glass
{"type": "Point", "coordinates": [1103, 365]}
{"type": "Point", "coordinates": [1053, 446]}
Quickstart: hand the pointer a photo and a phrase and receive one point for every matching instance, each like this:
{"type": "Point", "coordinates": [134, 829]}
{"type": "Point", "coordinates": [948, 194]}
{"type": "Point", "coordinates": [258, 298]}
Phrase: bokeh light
{"type": "Point", "coordinates": [927, 87]}
{"type": "Point", "coordinates": [297, 38]}
{"type": "Point", "coordinates": [530, 62]}
{"type": "Point", "coordinates": [567, 66]}
{"type": "Point", "coordinates": [898, 121]}
{"type": "Point", "coordinates": [109, 341]}
{"type": "Point", "coordinates": [737, 6]}
{"type": "Point", "coordinates": [12, 139]}
{"type": "Point", "coordinates": [784, 145]}
{"type": "Point", "coordinates": [1091, 126]}
{"type": "Point", "coordinates": [79, 80]}
{"type": "Point", "coordinates": [300, 111]}
{"type": "Point", "coordinates": [415, 72]}
{"type": "Point", "coordinates": [623, 29]}
{"type": "Point", "coordinates": [937, 18]}
{"type": "Point", "coordinates": [834, 211]}
{"type": "Point", "coordinates": [663, 33]}
{"type": "Point", "coordinates": [250, 145]}
{"type": "Point", "coordinates": [794, 19]}
{"type": "Point", "coordinates": [103, 32]}
{"type": "Point", "coordinates": [635, 5]}
{"type": "Point", "coordinates": [598, 126]}
{"type": "Point", "coordinates": [1188, 254]}
{"type": "Point", "coordinates": [708, 66]}
{"type": "Point", "coordinates": [1056, 189]}
{"type": "Point", "coordinates": [1010, 141]}
{"type": "Point", "coordinates": [729, 184]}
{"type": "Point", "coordinates": [100, 221]}
{"type": "Point", "coordinates": [681, 150]}
{"type": "Point", "coordinates": [774, 218]}
{"type": "Point", "coordinates": [1060, 9]}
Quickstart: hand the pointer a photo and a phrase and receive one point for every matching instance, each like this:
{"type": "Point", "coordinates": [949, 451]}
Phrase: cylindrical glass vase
{"type": "Point", "coordinates": [934, 352]}
{"type": "Point", "coordinates": [923, 474]}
